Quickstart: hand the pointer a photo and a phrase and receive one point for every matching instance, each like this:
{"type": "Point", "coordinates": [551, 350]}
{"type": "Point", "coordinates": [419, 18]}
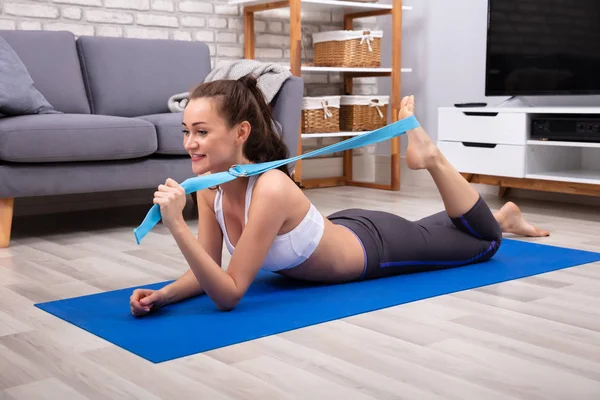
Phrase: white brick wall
{"type": "Point", "coordinates": [213, 21]}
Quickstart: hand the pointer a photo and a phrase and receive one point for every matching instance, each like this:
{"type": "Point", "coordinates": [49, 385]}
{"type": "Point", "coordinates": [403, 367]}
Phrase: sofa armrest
{"type": "Point", "coordinates": [287, 110]}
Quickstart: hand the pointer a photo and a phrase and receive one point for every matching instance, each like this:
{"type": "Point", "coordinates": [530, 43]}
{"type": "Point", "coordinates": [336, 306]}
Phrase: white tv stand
{"type": "Point", "coordinates": [493, 145]}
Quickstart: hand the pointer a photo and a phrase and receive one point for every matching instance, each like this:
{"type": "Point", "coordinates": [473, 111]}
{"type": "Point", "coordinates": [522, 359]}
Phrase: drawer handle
{"type": "Point", "coordinates": [480, 114]}
{"type": "Point", "coordinates": [475, 144]}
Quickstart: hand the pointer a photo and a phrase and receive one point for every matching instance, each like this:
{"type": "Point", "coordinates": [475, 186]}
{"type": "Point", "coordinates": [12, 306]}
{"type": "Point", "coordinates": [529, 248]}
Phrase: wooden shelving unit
{"type": "Point", "coordinates": [352, 11]}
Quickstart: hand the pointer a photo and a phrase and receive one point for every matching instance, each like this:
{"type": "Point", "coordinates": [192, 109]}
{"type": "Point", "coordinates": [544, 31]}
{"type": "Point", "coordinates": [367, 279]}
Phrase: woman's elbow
{"type": "Point", "coordinates": [228, 299]}
{"type": "Point", "coordinates": [227, 305]}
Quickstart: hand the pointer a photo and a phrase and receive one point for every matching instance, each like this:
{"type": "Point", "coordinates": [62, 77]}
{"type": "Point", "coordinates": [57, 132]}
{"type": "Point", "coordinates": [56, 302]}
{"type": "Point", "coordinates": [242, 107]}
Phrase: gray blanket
{"type": "Point", "coordinates": [270, 78]}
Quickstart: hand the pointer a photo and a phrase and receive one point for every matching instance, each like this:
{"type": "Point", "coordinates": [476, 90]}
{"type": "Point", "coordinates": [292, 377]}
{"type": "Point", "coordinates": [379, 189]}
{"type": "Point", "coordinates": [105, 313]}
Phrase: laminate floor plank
{"type": "Point", "coordinates": [49, 389]}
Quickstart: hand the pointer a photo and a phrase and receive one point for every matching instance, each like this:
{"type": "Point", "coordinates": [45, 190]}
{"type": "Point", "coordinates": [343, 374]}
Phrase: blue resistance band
{"type": "Point", "coordinates": [202, 182]}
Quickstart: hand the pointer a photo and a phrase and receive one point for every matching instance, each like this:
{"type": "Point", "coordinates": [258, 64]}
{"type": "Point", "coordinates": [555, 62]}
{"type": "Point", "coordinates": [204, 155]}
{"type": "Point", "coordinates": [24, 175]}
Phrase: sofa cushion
{"type": "Point", "coordinates": [52, 62]}
{"type": "Point", "coordinates": [74, 137]}
{"type": "Point", "coordinates": [18, 95]}
{"type": "Point", "coordinates": [130, 77]}
{"type": "Point", "coordinates": [169, 132]}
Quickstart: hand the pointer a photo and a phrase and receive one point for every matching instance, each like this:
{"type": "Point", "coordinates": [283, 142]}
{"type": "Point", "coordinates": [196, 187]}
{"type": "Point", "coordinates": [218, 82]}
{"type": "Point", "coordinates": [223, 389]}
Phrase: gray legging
{"type": "Point", "coordinates": [394, 245]}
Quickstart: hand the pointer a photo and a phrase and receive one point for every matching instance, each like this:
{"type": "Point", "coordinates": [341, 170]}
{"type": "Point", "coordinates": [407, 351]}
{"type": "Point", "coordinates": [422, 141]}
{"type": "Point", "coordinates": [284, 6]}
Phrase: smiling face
{"type": "Point", "coordinates": [213, 145]}
{"type": "Point", "coordinates": [228, 122]}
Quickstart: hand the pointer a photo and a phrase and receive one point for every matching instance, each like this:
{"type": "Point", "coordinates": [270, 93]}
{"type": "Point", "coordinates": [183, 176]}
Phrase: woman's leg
{"type": "Point", "coordinates": [509, 217]}
{"type": "Point", "coordinates": [395, 245]}
{"type": "Point", "coordinates": [478, 222]}
{"type": "Point", "coordinates": [457, 194]}
{"type": "Point", "coordinates": [511, 220]}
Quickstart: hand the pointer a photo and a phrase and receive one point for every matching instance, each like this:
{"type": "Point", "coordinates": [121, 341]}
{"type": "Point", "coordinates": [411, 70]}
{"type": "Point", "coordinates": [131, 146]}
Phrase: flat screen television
{"type": "Point", "coordinates": [543, 47]}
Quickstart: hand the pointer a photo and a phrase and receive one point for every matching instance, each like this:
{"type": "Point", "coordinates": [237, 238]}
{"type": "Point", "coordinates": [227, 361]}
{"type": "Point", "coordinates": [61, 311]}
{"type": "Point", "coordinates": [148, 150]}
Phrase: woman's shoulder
{"type": "Point", "coordinates": [275, 176]}
{"type": "Point", "coordinates": [274, 184]}
{"type": "Point", "coordinates": [207, 196]}
{"type": "Point", "coordinates": [276, 197]}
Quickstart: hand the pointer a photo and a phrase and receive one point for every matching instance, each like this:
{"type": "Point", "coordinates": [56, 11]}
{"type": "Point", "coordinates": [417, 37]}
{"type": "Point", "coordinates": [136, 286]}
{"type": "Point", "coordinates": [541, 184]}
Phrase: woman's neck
{"type": "Point", "coordinates": [236, 189]}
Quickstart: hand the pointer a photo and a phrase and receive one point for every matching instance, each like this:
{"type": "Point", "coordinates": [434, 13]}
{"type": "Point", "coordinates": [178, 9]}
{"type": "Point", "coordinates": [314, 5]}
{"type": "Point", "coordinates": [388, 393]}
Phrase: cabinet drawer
{"type": "Point", "coordinates": [481, 127]}
{"type": "Point", "coordinates": [499, 159]}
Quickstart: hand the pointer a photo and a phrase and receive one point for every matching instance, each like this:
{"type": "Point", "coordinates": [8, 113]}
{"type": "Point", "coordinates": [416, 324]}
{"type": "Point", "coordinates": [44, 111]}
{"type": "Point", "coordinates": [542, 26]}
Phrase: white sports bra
{"type": "Point", "coordinates": [289, 249]}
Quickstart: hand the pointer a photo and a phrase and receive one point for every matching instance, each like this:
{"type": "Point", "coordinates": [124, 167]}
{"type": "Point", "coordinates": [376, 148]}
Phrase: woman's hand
{"type": "Point", "coordinates": [171, 199]}
{"type": "Point", "coordinates": [142, 301]}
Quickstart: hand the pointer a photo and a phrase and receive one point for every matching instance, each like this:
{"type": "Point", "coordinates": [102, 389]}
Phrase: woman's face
{"type": "Point", "coordinates": [212, 145]}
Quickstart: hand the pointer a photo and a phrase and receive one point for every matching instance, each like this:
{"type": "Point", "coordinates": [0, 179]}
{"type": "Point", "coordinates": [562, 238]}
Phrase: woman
{"type": "Point", "coordinates": [267, 222]}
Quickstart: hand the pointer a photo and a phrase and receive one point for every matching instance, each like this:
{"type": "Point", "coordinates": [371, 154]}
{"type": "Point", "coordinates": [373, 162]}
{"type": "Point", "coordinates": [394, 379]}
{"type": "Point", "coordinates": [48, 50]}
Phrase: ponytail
{"type": "Point", "coordinates": [242, 100]}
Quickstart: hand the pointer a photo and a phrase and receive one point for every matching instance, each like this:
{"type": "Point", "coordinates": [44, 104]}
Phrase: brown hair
{"type": "Point", "coordinates": [241, 100]}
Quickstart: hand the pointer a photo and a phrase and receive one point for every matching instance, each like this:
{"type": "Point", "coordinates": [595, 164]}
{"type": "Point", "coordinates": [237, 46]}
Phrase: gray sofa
{"type": "Point", "coordinates": [115, 131]}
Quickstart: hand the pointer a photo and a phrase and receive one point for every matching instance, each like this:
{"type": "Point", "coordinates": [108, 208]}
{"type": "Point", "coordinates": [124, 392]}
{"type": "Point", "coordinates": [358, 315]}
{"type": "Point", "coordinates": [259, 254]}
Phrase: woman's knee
{"type": "Point", "coordinates": [493, 248]}
{"type": "Point", "coordinates": [480, 222]}
{"type": "Point", "coordinates": [496, 232]}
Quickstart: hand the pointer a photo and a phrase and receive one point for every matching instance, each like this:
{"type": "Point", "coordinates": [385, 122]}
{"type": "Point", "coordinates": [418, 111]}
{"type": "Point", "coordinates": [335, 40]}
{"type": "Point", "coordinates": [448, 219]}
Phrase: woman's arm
{"type": "Point", "coordinates": [183, 288]}
{"type": "Point", "coordinates": [226, 288]}
{"type": "Point", "coordinates": [210, 238]}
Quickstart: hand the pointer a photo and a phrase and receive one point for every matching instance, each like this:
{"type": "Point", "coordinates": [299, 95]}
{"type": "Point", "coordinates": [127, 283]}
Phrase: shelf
{"type": "Point", "coordinates": [562, 144]}
{"type": "Point", "coordinates": [352, 10]}
{"type": "Point", "coordinates": [317, 5]}
{"type": "Point", "coordinates": [588, 176]}
{"type": "Point", "coordinates": [332, 134]}
{"type": "Point", "coordinates": [380, 70]}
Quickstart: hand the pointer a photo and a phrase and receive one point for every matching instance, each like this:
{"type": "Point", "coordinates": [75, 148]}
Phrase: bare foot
{"type": "Point", "coordinates": [421, 152]}
{"type": "Point", "coordinates": [512, 221]}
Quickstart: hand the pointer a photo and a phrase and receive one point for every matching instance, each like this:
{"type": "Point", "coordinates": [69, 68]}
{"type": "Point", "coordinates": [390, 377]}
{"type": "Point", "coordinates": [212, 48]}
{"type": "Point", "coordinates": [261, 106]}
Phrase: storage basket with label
{"type": "Point", "coordinates": [321, 114]}
{"type": "Point", "coordinates": [363, 113]}
{"type": "Point", "coordinates": [347, 48]}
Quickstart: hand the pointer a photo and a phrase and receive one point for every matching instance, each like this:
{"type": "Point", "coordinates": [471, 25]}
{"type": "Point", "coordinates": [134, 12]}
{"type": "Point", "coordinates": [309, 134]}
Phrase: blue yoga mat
{"type": "Point", "coordinates": [276, 304]}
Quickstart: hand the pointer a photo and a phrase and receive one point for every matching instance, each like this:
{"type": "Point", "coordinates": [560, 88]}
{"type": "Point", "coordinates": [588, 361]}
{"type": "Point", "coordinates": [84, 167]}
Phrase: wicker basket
{"type": "Point", "coordinates": [321, 114]}
{"type": "Point", "coordinates": [347, 48]}
{"type": "Point", "coordinates": [363, 113]}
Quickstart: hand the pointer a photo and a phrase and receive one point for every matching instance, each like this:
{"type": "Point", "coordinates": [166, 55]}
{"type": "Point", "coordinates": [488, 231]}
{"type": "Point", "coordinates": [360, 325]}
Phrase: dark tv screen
{"type": "Point", "coordinates": [543, 47]}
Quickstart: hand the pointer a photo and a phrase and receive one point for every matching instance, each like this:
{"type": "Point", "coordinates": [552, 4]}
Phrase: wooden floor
{"type": "Point", "coordinates": [535, 338]}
